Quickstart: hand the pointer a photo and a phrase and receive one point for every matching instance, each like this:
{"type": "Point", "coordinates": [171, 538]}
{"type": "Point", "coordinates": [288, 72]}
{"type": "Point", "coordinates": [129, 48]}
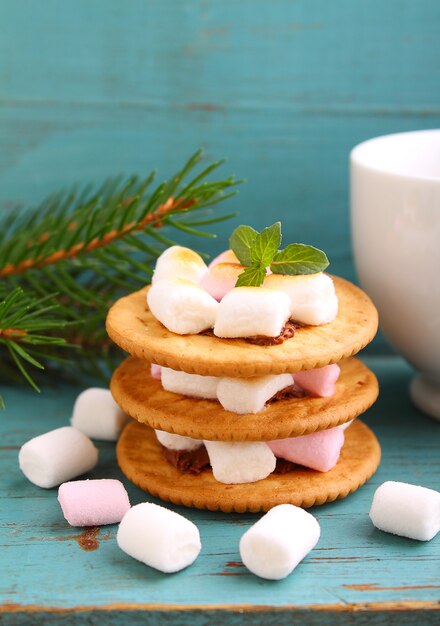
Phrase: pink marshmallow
{"type": "Point", "coordinates": [156, 371]}
{"type": "Point", "coordinates": [220, 279]}
{"type": "Point", "coordinates": [93, 502]}
{"type": "Point", "coordinates": [320, 381]}
{"type": "Point", "coordinates": [224, 257]}
{"type": "Point", "coordinates": [319, 451]}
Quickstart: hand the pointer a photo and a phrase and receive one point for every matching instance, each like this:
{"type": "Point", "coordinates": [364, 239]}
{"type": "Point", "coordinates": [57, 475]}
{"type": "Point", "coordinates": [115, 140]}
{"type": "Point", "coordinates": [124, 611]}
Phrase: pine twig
{"type": "Point", "coordinates": [89, 246]}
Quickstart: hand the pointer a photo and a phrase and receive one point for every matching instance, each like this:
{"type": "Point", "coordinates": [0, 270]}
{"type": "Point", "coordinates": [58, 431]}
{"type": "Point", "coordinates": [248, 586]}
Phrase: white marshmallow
{"type": "Point", "coordinates": [406, 510]}
{"type": "Point", "coordinates": [179, 262]}
{"type": "Point", "coordinates": [236, 462]}
{"type": "Point", "coordinates": [159, 537]}
{"type": "Point", "coordinates": [274, 546]}
{"type": "Point", "coordinates": [57, 456]}
{"type": "Point", "coordinates": [249, 395]}
{"type": "Point", "coordinates": [190, 384]}
{"type": "Point", "coordinates": [312, 297]}
{"type": "Point", "coordinates": [181, 306]}
{"type": "Point", "coordinates": [251, 311]}
{"type": "Point", "coordinates": [177, 442]}
{"type": "Point", "coordinates": [97, 415]}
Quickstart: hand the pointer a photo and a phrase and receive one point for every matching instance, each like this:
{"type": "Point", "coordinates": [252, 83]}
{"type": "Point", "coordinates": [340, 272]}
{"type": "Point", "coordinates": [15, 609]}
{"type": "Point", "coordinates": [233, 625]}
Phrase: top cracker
{"type": "Point", "coordinates": [133, 327]}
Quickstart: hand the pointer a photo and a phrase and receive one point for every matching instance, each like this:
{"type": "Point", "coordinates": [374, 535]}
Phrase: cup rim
{"type": "Point", "coordinates": [355, 155]}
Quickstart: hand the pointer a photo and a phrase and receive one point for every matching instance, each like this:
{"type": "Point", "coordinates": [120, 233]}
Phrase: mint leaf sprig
{"type": "Point", "coordinates": [257, 251]}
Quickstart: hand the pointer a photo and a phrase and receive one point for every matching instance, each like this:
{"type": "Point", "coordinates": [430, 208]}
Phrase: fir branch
{"type": "Point", "coordinates": [74, 224]}
{"type": "Point", "coordinates": [89, 246]}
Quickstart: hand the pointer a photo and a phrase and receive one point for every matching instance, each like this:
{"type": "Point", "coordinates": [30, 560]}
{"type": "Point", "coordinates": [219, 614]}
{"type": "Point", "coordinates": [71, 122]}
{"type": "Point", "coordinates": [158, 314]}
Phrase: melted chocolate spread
{"type": "Point", "coordinates": [188, 461]}
{"type": "Point", "coordinates": [283, 466]}
{"type": "Point", "coordinates": [287, 333]}
{"type": "Point", "coordinates": [293, 391]}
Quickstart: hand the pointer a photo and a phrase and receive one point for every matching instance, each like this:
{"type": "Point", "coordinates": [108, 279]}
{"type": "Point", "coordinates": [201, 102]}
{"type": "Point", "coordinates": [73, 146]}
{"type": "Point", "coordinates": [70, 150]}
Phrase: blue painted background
{"type": "Point", "coordinates": [283, 88]}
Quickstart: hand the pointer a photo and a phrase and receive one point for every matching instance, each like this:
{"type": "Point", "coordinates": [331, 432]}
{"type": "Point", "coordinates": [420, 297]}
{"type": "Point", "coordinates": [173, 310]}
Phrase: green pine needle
{"type": "Point", "coordinates": [64, 262]}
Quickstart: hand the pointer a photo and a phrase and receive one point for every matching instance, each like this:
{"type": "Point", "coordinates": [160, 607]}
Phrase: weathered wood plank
{"type": "Point", "coordinates": [345, 55]}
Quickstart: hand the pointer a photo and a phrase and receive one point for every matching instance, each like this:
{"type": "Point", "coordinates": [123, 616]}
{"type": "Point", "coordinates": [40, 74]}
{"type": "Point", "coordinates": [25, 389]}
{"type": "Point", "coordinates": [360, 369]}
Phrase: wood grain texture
{"type": "Point", "coordinates": [355, 575]}
{"type": "Point", "coordinates": [146, 400]}
{"type": "Point", "coordinates": [133, 327]}
{"type": "Point", "coordinates": [284, 89]}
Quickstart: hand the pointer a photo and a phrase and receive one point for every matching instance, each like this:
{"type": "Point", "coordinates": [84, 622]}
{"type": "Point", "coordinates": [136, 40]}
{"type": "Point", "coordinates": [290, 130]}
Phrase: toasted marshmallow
{"type": "Point", "coordinates": [250, 311]}
{"type": "Point", "coordinates": [249, 395]}
{"type": "Point", "coordinates": [179, 262]}
{"type": "Point", "coordinates": [236, 462]}
{"type": "Point", "coordinates": [190, 384]}
{"type": "Point", "coordinates": [181, 306]}
{"type": "Point", "coordinates": [313, 298]}
{"type": "Point", "coordinates": [225, 257]}
{"type": "Point", "coordinates": [177, 442]}
{"type": "Point", "coordinates": [221, 278]}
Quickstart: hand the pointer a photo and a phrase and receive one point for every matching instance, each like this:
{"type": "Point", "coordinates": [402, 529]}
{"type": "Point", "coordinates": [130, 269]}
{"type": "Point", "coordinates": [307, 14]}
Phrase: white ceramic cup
{"type": "Point", "coordinates": [395, 216]}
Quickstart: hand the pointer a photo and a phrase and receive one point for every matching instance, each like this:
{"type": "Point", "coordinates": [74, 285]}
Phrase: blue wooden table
{"type": "Point", "coordinates": [55, 574]}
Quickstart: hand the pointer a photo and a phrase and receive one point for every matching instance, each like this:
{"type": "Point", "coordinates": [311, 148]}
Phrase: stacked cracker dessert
{"type": "Point", "coordinates": [243, 397]}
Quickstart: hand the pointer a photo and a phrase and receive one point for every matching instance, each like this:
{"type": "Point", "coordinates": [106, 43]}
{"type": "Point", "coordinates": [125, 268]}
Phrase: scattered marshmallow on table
{"type": "Point", "coordinates": [249, 395]}
{"type": "Point", "coordinates": [93, 502]}
{"type": "Point", "coordinates": [159, 537]}
{"type": "Point", "coordinates": [312, 297]}
{"type": "Point", "coordinates": [252, 311]}
{"type": "Point", "coordinates": [179, 262]}
{"type": "Point", "coordinates": [97, 415]}
{"type": "Point", "coordinates": [407, 510]}
{"type": "Point", "coordinates": [192, 385]}
{"type": "Point", "coordinates": [320, 381]}
{"type": "Point", "coordinates": [177, 442]}
{"type": "Point", "coordinates": [234, 463]}
{"type": "Point", "coordinates": [319, 451]}
{"type": "Point", "coordinates": [57, 456]}
{"type": "Point", "coordinates": [221, 278]}
{"type": "Point", "coordinates": [274, 545]}
{"type": "Point", "coordinates": [181, 306]}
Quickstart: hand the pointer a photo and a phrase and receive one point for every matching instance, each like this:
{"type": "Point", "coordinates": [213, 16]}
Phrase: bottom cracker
{"type": "Point", "coordinates": [140, 458]}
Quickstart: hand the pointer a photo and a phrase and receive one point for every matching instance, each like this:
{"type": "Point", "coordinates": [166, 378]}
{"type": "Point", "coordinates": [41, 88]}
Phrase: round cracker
{"type": "Point", "coordinates": [141, 460]}
{"type": "Point", "coordinates": [133, 327]}
{"type": "Point", "coordinates": [144, 398]}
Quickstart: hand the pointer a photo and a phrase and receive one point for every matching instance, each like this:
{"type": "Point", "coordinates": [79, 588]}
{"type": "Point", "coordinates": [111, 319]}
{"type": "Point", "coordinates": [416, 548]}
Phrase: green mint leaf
{"type": "Point", "coordinates": [298, 258]}
{"type": "Point", "coordinates": [241, 242]}
{"type": "Point", "coordinates": [266, 245]}
{"type": "Point", "coordinates": [251, 277]}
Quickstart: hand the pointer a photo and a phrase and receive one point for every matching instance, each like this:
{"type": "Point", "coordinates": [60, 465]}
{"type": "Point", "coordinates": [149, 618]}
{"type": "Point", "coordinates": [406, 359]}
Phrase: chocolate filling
{"type": "Point", "coordinates": [196, 461]}
{"type": "Point", "coordinates": [293, 391]}
{"type": "Point", "coordinates": [188, 461]}
{"type": "Point", "coordinates": [284, 467]}
{"type": "Point", "coordinates": [287, 333]}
